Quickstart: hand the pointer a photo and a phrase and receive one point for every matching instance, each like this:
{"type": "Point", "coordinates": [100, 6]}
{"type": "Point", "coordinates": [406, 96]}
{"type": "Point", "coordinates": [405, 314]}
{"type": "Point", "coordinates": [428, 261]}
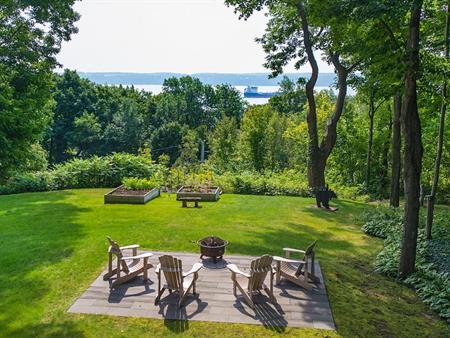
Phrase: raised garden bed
{"type": "Point", "coordinates": [210, 194]}
{"type": "Point", "coordinates": [120, 195]}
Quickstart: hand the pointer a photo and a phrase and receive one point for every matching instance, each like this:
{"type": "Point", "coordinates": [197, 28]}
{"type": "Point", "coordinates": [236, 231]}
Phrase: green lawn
{"type": "Point", "coordinates": [53, 245]}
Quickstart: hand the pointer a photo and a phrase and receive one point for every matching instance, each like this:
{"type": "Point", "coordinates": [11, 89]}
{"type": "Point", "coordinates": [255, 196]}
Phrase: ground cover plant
{"type": "Point", "coordinates": [53, 246]}
{"type": "Point", "coordinates": [431, 279]}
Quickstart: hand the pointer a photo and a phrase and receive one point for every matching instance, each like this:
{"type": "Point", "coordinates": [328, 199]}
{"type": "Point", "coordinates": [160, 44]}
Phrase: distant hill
{"type": "Point", "coordinates": [250, 79]}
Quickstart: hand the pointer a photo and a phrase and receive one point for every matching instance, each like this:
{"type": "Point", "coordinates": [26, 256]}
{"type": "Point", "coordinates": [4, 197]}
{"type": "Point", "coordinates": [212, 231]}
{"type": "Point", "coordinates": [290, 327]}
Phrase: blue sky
{"type": "Point", "coordinates": [186, 36]}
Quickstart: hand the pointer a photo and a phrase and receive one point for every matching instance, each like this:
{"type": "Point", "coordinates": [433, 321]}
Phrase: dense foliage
{"type": "Point", "coordinates": [431, 279]}
{"type": "Point", "coordinates": [94, 119]}
{"type": "Point", "coordinates": [31, 33]}
{"type": "Point", "coordinates": [272, 139]}
{"type": "Point", "coordinates": [108, 171]}
{"type": "Point", "coordinates": [135, 183]}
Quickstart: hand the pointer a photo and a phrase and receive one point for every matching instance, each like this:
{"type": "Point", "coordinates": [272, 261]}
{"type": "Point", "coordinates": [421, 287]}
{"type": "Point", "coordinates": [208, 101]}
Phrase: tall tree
{"type": "Point", "coordinates": [394, 200]}
{"type": "Point", "coordinates": [31, 33]}
{"type": "Point", "coordinates": [223, 144]}
{"type": "Point", "coordinates": [371, 89]}
{"type": "Point", "coordinates": [74, 97]}
{"type": "Point", "coordinates": [293, 33]}
{"type": "Point", "coordinates": [86, 134]}
{"type": "Point", "coordinates": [412, 163]}
{"type": "Point", "coordinates": [437, 165]}
{"type": "Point", "coordinates": [167, 139]}
{"type": "Point", "coordinates": [254, 137]}
{"type": "Point", "coordinates": [291, 97]}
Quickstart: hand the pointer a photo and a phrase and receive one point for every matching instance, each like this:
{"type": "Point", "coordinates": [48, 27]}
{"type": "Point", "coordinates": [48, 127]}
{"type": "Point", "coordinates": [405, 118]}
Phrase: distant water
{"type": "Point", "coordinates": [156, 89]}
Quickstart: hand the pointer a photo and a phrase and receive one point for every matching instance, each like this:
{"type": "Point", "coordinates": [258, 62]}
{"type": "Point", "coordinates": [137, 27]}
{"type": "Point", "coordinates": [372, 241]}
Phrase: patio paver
{"type": "Point", "coordinates": [215, 300]}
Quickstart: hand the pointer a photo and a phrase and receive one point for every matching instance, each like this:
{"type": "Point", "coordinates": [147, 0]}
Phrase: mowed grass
{"type": "Point", "coordinates": [53, 245]}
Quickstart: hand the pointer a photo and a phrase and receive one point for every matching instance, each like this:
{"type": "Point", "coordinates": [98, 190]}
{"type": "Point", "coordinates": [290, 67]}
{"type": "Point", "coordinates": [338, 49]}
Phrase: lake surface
{"type": "Point", "coordinates": [156, 89]}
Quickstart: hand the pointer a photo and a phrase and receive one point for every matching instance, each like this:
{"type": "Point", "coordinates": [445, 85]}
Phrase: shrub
{"type": "Point", "coordinates": [134, 183]}
{"type": "Point", "coordinates": [431, 280]}
{"type": "Point", "coordinates": [246, 182]}
{"type": "Point", "coordinates": [95, 172]}
{"type": "Point", "coordinates": [283, 183]}
{"type": "Point", "coordinates": [350, 192]}
{"type": "Point", "coordinates": [26, 183]}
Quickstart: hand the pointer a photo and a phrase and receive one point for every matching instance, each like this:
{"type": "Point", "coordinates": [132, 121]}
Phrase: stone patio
{"type": "Point", "coordinates": [215, 301]}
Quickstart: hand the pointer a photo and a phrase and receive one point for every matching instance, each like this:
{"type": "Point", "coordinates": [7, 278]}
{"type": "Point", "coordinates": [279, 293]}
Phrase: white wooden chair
{"type": "Point", "coordinates": [299, 272]}
{"type": "Point", "coordinates": [176, 280]}
{"type": "Point", "coordinates": [249, 283]}
{"type": "Point", "coordinates": [139, 263]}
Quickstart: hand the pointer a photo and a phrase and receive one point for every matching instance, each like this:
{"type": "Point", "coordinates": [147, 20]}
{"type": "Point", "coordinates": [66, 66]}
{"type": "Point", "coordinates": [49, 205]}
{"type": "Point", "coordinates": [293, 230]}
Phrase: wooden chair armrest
{"type": "Point", "coordinates": [195, 268]}
{"type": "Point", "coordinates": [133, 246]}
{"type": "Point", "coordinates": [293, 250]}
{"type": "Point", "coordinates": [234, 269]}
{"type": "Point", "coordinates": [287, 260]}
{"type": "Point", "coordinates": [141, 256]}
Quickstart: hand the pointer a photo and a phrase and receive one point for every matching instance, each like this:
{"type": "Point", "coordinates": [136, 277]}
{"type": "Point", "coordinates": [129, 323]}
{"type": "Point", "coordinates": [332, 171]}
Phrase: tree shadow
{"type": "Point", "coordinates": [47, 330]}
{"type": "Point", "coordinates": [296, 235]}
{"type": "Point", "coordinates": [345, 207]}
{"type": "Point", "coordinates": [36, 234]}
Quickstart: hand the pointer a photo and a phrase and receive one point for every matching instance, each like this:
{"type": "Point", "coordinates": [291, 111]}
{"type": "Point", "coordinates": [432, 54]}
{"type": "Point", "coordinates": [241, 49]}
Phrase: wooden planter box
{"type": "Point", "coordinates": [212, 195]}
{"type": "Point", "coordinates": [116, 198]}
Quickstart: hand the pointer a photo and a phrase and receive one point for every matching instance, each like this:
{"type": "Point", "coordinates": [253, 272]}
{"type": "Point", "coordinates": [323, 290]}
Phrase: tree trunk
{"type": "Point", "coordinates": [370, 143]}
{"type": "Point", "coordinates": [318, 155]}
{"type": "Point", "coordinates": [385, 160]}
{"type": "Point", "coordinates": [396, 157]}
{"type": "Point", "coordinates": [329, 140]}
{"type": "Point", "coordinates": [412, 162]}
{"type": "Point", "coordinates": [437, 164]}
{"type": "Point", "coordinates": [316, 176]}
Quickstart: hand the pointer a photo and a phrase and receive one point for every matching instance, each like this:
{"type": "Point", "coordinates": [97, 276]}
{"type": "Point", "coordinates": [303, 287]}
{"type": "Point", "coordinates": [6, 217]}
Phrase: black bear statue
{"type": "Point", "coordinates": [323, 197]}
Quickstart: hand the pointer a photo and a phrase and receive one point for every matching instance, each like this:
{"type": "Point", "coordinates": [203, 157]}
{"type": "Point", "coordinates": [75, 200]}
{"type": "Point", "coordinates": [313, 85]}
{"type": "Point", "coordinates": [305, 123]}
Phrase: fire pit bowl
{"type": "Point", "coordinates": [213, 247]}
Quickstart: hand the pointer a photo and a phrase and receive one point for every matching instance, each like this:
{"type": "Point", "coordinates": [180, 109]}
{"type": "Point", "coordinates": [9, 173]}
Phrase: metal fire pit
{"type": "Point", "coordinates": [213, 247]}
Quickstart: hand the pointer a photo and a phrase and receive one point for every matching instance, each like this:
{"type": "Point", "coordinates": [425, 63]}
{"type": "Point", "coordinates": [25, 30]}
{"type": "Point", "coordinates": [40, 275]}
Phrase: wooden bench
{"type": "Point", "coordinates": [185, 200]}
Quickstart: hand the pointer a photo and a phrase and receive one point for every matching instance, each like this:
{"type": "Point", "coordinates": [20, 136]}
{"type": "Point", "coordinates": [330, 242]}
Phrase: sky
{"type": "Point", "coordinates": [182, 36]}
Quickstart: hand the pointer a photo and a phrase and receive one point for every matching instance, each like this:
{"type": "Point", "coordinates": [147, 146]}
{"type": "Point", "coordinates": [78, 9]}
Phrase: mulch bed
{"type": "Point", "coordinates": [127, 192]}
{"type": "Point", "coordinates": [200, 190]}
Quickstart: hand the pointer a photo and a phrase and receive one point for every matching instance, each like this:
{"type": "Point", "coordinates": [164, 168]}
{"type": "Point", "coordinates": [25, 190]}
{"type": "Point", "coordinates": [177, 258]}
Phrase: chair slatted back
{"type": "Point", "coordinates": [114, 249]}
{"type": "Point", "coordinates": [173, 271]}
{"type": "Point", "coordinates": [258, 272]}
{"type": "Point", "coordinates": [308, 253]}
{"type": "Point", "coordinates": [310, 249]}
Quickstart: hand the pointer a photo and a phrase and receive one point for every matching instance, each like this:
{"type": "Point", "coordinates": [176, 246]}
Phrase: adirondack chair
{"type": "Point", "coordinates": [249, 283]}
{"type": "Point", "coordinates": [299, 272]}
{"type": "Point", "coordinates": [139, 263]}
{"type": "Point", "coordinates": [176, 280]}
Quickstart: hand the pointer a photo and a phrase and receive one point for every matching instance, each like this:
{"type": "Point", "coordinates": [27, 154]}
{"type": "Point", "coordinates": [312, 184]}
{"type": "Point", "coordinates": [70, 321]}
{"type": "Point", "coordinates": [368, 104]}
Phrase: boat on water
{"type": "Point", "coordinates": [252, 92]}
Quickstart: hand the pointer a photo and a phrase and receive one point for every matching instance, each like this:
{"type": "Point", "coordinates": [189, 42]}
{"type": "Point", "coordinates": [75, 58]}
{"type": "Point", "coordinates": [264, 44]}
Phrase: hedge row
{"type": "Point", "coordinates": [110, 171]}
{"type": "Point", "coordinates": [95, 172]}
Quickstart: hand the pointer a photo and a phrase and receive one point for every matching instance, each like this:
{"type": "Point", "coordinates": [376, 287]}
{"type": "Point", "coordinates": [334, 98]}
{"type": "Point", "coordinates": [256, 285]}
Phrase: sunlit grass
{"type": "Point", "coordinates": [53, 245]}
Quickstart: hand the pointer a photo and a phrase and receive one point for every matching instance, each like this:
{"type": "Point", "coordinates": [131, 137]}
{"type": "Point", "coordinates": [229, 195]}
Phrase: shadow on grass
{"type": "Point", "coordinates": [296, 235]}
{"type": "Point", "coordinates": [345, 207]}
{"type": "Point", "coordinates": [47, 330]}
{"type": "Point", "coordinates": [362, 301]}
{"type": "Point", "coordinates": [36, 234]}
